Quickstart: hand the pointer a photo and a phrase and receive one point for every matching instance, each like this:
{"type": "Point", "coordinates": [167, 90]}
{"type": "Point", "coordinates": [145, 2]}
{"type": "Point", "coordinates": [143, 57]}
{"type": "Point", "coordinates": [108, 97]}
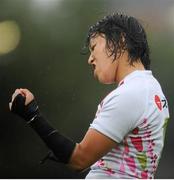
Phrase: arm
{"type": "Point", "coordinates": [77, 155]}
{"type": "Point", "coordinates": [93, 146]}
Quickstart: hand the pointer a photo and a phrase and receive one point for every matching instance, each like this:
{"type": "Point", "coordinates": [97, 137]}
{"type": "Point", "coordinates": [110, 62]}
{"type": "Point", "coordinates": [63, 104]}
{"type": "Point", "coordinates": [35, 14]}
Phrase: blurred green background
{"type": "Point", "coordinates": [40, 45]}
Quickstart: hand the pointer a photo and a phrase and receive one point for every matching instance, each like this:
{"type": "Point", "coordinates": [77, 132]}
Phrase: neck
{"type": "Point", "coordinates": [124, 68]}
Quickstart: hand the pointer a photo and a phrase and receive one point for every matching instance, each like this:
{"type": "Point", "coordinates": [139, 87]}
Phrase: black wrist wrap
{"type": "Point", "coordinates": [60, 146]}
{"type": "Point", "coordinates": [26, 112]}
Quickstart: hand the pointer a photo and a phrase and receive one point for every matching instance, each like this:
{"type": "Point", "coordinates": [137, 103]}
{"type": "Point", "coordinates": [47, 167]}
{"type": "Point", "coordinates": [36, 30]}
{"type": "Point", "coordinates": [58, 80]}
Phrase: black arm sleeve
{"type": "Point", "coordinates": [60, 146]}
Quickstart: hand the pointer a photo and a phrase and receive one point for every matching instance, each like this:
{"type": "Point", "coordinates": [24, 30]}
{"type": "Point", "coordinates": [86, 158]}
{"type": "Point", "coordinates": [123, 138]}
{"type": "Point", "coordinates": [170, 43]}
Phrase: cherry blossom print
{"type": "Point", "coordinates": [126, 147]}
{"type": "Point", "coordinates": [137, 142]}
{"type": "Point", "coordinates": [135, 131]}
{"type": "Point", "coordinates": [122, 168]}
{"type": "Point", "coordinates": [130, 163]}
{"type": "Point", "coordinates": [144, 174]}
{"type": "Point", "coordinates": [109, 171]}
{"type": "Point", "coordinates": [142, 158]}
{"type": "Point", "coordinates": [100, 162]}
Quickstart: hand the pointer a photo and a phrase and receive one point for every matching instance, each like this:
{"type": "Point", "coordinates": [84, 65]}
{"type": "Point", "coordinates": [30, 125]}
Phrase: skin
{"type": "Point", "coordinates": [94, 144]}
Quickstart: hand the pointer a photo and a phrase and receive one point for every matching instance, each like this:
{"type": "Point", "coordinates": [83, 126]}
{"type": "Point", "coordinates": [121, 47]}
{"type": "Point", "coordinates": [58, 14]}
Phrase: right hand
{"type": "Point", "coordinates": [24, 104]}
{"type": "Point", "coordinates": [25, 93]}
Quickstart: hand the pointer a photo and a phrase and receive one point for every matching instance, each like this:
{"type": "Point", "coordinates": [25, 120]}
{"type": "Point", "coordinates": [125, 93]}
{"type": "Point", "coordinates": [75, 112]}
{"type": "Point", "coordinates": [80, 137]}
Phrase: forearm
{"type": "Point", "coordinates": [65, 150]}
{"type": "Point", "coordinates": [61, 146]}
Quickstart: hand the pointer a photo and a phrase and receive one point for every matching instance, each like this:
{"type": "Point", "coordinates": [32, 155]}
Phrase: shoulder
{"type": "Point", "coordinates": [131, 93]}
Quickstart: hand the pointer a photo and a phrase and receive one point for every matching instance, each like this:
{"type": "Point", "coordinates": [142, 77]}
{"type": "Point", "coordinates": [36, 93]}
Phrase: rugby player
{"type": "Point", "coordinates": [126, 137]}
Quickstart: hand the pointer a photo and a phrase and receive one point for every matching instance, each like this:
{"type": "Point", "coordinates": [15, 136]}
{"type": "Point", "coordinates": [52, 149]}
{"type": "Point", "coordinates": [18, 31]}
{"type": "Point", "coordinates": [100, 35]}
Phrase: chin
{"type": "Point", "coordinates": [105, 81]}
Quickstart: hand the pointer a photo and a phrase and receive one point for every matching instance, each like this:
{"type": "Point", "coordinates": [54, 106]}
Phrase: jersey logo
{"type": "Point", "coordinates": [158, 102]}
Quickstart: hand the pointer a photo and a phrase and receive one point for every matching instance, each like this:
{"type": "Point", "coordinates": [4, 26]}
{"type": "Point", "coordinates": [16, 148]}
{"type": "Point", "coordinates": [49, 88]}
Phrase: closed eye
{"type": "Point", "coordinates": [91, 48]}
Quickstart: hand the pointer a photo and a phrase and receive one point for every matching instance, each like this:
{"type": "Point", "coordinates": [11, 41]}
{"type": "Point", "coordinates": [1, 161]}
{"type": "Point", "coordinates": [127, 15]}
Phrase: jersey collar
{"type": "Point", "coordinates": [134, 74]}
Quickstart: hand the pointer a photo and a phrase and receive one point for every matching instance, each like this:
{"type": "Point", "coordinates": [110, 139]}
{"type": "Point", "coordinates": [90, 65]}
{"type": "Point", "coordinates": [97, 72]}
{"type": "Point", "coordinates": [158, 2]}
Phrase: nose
{"type": "Point", "coordinates": [91, 59]}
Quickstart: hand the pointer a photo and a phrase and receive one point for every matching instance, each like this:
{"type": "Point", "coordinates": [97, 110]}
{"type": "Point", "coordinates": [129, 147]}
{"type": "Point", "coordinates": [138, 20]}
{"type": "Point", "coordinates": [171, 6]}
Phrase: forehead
{"type": "Point", "coordinates": [98, 38]}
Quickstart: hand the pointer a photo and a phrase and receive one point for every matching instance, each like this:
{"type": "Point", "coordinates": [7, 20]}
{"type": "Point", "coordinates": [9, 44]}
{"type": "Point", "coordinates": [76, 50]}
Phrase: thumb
{"type": "Point", "coordinates": [10, 104]}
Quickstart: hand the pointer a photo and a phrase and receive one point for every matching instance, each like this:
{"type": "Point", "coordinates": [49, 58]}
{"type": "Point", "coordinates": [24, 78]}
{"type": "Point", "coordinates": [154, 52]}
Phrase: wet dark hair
{"type": "Point", "coordinates": [122, 33]}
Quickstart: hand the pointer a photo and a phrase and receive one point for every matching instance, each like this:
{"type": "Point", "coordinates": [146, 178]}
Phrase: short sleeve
{"type": "Point", "coordinates": [118, 115]}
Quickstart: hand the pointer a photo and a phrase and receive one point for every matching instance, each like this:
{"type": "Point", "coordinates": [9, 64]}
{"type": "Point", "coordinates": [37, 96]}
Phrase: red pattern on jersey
{"type": "Point", "coordinates": [137, 142]}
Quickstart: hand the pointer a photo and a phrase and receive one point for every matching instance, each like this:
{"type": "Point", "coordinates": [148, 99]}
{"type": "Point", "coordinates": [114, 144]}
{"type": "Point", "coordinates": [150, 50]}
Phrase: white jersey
{"type": "Point", "coordinates": [135, 116]}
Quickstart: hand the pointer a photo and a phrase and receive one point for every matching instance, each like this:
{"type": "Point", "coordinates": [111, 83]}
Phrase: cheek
{"type": "Point", "coordinates": [110, 73]}
{"type": "Point", "coordinates": [106, 75]}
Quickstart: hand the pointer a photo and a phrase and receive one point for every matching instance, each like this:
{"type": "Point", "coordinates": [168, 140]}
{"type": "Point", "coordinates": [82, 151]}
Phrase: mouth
{"type": "Point", "coordinates": [93, 66]}
{"type": "Point", "coordinates": [94, 69]}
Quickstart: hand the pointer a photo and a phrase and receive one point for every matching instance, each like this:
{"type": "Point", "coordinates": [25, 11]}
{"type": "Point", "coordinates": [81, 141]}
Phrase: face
{"type": "Point", "coordinates": [103, 65]}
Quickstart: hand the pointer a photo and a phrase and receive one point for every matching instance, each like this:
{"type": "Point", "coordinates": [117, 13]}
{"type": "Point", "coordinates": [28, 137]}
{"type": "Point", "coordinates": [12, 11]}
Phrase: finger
{"type": "Point", "coordinates": [23, 94]}
{"type": "Point", "coordinates": [25, 91]}
{"type": "Point", "coordinates": [29, 96]}
{"type": "Point", "coordinates": [10, 104]}
{"type": "Point", "coordinates": [17, 91]}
